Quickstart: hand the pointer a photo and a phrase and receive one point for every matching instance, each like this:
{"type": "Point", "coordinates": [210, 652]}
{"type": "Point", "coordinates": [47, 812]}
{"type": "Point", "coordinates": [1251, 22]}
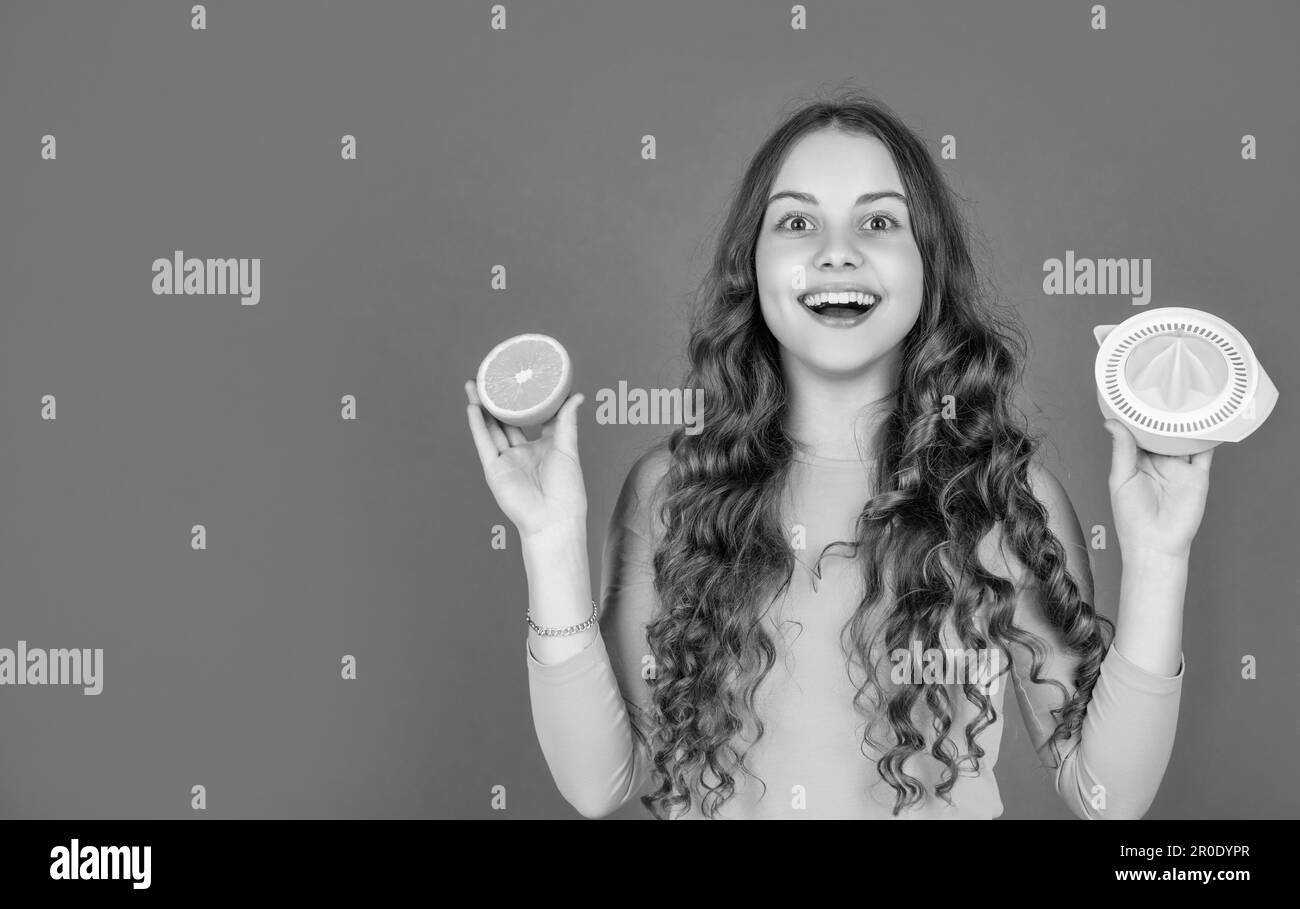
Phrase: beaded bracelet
{"type": "Point", "coordinates": [562, 632]}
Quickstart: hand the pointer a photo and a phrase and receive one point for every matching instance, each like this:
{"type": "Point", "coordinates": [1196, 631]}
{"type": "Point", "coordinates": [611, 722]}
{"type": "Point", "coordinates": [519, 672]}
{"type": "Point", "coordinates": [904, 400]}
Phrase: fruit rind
{"type": "Point", "coordinates": [539, 414]}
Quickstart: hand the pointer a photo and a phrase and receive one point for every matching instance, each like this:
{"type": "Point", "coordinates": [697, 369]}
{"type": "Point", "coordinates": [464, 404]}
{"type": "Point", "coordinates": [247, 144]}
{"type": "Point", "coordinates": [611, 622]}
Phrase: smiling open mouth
{"type": "Point", "coordinates": [847, 305]}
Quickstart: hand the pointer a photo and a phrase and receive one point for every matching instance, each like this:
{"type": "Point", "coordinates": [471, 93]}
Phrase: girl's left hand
{"type": "Point", "coordinates": [1158, 500]}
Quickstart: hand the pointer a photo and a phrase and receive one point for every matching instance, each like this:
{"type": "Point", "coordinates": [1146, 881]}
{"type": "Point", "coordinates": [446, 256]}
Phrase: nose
{"type": "Point", "coordinates": [838, 251]}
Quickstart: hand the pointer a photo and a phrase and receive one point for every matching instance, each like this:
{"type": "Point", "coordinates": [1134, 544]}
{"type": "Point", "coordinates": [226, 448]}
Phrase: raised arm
{"type": "Point", "coordinates": [1113, 767]}
{"type": "Point", "coordinates": [585, 704]}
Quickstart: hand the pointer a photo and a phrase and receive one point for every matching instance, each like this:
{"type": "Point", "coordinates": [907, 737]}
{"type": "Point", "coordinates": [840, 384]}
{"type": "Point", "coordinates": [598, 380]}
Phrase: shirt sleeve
{"type": "Point", "coordinates": [1113, 765]}
{"type": "Point", "coordinates": [589, 710]}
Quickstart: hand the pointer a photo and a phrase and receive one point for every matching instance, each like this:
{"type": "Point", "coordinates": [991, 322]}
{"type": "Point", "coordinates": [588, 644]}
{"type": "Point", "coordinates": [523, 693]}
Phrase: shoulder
{"type": "Point", "coordinates": [650, 469]}
{"type": "Point", "coordinates": [999, 555]}
{"type": "Point", "coordinates": [643, 490]}
{"type": "Point", "coordinates": [1063, 522]}
{"type": "Point", "coordinates": [1050, 492]}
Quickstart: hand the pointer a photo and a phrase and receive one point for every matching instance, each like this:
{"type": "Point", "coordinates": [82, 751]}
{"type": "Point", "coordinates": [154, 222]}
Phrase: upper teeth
{"type": "Point", "coordinates": [856, 297]}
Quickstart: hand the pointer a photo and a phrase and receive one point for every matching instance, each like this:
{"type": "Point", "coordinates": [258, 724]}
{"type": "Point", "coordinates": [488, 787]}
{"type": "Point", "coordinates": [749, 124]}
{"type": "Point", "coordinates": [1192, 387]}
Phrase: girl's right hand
{"type": "Point", "coordinates": [537, 484]}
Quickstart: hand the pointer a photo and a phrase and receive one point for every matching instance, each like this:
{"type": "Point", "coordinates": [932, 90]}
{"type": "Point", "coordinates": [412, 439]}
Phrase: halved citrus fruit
{"type": "Point", "coordinates": [524, 380]}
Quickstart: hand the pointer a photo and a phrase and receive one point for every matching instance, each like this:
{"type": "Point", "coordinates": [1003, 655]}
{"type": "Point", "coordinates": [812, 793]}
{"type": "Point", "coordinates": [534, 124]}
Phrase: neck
{"type": "Point", "coordinates": [840, 415]}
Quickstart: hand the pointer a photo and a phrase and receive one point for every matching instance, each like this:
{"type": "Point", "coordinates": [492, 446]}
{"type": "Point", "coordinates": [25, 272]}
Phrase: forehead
{"type": "Point", "coordinates": [837, 167]}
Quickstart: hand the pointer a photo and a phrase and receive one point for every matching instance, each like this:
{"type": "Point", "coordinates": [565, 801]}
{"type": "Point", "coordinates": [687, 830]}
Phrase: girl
{"type": "Point", "coordinates": [858, 406]}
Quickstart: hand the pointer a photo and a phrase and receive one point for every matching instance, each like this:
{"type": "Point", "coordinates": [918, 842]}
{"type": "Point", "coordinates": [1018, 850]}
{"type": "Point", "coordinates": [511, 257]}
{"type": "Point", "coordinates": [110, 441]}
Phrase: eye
{"type": "Point", "coordinates": [797, 216]}
{"type": "Point", "coordinates": [893, 222]}
{"type": "Point", "coordinates": [792, 217]}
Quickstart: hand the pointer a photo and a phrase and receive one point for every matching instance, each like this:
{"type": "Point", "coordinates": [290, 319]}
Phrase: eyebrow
{"type": "Point", "coordinates": [864, 199]}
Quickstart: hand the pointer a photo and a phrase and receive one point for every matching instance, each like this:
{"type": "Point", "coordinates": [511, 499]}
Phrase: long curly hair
{"type": "Point", "coordinates": [941, 480]}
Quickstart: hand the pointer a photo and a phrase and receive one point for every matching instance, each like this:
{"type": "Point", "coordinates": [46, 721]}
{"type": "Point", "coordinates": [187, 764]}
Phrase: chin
{"type": "Point", "coordinates": [847, 362]}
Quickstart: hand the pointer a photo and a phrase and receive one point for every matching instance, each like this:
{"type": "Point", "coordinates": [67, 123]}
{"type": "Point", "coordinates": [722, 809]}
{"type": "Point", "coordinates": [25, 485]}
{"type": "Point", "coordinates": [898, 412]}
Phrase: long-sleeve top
{"type": "Point", "coordinates": [811, 755]}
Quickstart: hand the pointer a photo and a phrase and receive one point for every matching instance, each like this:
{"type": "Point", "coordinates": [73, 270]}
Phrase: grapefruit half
{"type": "Point", "coordinates": [524, 380]}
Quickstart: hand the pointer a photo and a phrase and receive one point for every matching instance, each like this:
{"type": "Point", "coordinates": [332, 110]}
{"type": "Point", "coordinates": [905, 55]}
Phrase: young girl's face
{"type": "Point", "coordinates": [833, 238]}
